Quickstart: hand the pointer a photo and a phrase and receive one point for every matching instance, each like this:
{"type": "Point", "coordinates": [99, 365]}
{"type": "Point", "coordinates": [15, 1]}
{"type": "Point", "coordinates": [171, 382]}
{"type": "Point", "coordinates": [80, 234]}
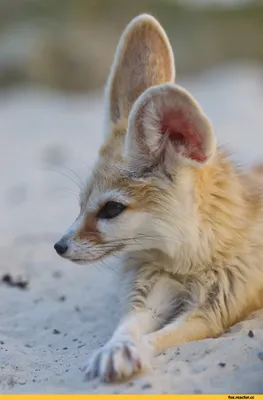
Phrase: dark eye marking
{"type": "Point", "coordinates": [111, 210]}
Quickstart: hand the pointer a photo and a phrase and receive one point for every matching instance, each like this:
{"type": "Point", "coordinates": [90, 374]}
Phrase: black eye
{"type": "Point", "coordinates": [110, 210]}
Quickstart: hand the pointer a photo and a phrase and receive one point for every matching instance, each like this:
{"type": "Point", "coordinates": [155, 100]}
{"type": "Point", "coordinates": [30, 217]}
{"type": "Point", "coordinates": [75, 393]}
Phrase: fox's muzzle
{"type": "Point", "coordinates": [61, 247]}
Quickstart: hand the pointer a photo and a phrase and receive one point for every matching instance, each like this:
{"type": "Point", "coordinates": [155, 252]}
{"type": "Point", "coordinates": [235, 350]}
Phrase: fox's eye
{"type": "Point", "coordinates": [110, 210]}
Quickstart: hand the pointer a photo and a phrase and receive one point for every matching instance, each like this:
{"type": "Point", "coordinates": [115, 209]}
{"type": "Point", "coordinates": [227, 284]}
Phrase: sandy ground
{"type": "Point", "coordinates": [48, 331]}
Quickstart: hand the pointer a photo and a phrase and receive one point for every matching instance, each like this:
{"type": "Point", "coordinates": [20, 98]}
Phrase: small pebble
{"type": "Point", "coordinates": [251, 334]}
{"type": "Point", "coordinates": [222, 364]}
{"type": "Point", "coordinates": [146, 386]}
{"type": "Point", "coordinates": [56, 332]}
{"type": "Point", "coordinates": [22, 382]}
{"type": "Point", "coordinates": [22, 284]}
{"type": "Point", "coordinates": [7, 278]}
{"type": "Point", "coordinates": [65, 348]}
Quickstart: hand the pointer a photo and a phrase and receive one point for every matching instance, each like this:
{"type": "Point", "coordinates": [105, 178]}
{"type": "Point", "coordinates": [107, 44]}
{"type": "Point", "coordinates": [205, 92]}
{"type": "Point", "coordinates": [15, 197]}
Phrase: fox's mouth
{"type": "Point", "coordinates": [107, 253]}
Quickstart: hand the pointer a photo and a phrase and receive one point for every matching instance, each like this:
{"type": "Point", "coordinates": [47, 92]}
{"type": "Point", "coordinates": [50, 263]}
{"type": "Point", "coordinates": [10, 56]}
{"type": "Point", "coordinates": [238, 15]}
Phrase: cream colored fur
{"type": "Point", "coordinates": [191, 236]}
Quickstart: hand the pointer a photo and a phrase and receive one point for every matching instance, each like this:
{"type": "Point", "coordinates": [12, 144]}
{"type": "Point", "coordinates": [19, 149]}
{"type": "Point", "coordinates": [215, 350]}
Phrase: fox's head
{"type": "Point", "coordinates": [141, 193]}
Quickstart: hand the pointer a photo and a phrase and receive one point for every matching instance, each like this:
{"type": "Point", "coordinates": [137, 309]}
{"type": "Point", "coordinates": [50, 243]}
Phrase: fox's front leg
{"type": "Point", "coordinates": [189, 327]}
{"type": "Point", "coordinates": [126, 352]}
{"type": "Point", "coordinates": [154, 297]}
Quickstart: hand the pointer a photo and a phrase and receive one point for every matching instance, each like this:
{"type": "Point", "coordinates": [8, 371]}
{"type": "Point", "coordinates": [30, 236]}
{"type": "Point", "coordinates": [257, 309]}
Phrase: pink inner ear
{"type": "Point", "coordinates": [186, 140]}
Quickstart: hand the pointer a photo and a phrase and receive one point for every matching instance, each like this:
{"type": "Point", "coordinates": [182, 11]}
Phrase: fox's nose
{"type": "Point", "coordinates": [61, 247]}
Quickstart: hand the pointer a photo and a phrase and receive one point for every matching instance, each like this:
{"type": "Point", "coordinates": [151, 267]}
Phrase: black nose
{"type": "Point", "coordinates": [60, 247]}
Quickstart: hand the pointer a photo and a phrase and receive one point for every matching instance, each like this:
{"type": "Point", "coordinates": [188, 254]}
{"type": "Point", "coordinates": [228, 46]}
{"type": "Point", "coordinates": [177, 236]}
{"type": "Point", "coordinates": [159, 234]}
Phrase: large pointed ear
{"type": "Point", "coordinates": [143, 58]}
{"type": "Point", "coordinates": [167, 126]}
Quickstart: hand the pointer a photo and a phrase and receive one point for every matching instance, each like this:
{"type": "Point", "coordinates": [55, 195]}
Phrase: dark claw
{"type": "Point", "coordinates": [97, 365]}
{"type": "Point", "coordinates": [127, 353]}
{"type": "Point", "coordinates": [138, 364]}
{"type": "Point", "coordinates": [110, 370]}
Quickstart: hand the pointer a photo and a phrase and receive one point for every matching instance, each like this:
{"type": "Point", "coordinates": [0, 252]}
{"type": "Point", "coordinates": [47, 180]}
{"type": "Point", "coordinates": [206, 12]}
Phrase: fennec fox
{"type": "Point", "coordinates": [187, 223]}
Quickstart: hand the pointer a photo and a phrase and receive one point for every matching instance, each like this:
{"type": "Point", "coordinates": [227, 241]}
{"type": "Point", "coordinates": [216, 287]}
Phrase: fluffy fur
{"type": "Point", "coordinates": [191, 235]}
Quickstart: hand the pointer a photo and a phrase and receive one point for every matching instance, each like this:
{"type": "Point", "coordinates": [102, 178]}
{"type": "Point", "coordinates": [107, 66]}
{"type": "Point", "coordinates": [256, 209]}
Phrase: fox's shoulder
{"type": "Point", "coordinates": [252, 181]}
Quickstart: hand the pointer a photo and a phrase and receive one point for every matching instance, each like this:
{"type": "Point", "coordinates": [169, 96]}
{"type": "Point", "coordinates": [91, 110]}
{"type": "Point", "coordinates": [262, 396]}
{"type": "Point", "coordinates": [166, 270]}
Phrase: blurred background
{"type": "Point", "coordinates": [68, 45]}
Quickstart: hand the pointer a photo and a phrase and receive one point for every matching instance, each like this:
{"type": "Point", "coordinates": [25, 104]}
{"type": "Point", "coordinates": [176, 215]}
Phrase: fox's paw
{"type": "Point", "coordinates": [116, 361]}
